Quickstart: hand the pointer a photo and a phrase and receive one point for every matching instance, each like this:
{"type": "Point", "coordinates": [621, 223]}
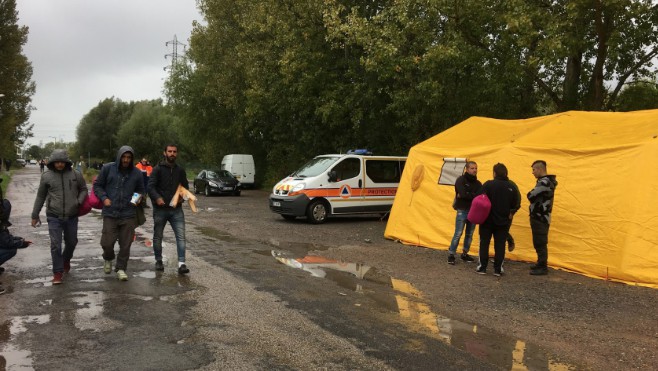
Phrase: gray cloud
{"type": "Point", "coordinates": [85, 51]}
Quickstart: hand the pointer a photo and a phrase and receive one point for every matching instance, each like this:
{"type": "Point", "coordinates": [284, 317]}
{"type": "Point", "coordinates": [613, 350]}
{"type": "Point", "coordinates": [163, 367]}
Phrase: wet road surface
{"type": "Point", "coordinates": [245, 305]}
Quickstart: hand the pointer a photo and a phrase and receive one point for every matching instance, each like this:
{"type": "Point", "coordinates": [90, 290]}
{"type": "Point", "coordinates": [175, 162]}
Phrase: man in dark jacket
{"type": "Point", "coordinates": [467, 186]}
{"type": "Point", "coordinates": [9, 244]}
{"type": "Point", "coordinates": [115, 186]}
{"type": "Point", "coordinates": [65, 190]}
{"type": "Point", "coordinates": [541, 206]}
{"type": "Point", "coordinates": [504, 204]}
{"type": "Point", "coordinates": [163, 185]}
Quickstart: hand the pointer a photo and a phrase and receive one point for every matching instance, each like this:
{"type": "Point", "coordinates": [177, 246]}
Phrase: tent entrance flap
{"type": "Point", "coordinates": [453, 168]}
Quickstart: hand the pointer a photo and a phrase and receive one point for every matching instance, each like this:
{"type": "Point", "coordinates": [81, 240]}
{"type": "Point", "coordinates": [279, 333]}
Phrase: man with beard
{"type": "Point", "coordinates": [115, 186]}
{"type": "Point", "coordinates": [65, 190]}
{"type": "Point", "coordinates": [467, 186]}
{"type": "Point", "coordinates": [163, 185]}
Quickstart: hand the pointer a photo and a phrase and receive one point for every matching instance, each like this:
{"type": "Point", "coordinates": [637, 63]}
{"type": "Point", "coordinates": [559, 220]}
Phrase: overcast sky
{"type": "Point", "coordinates": [84, 51]}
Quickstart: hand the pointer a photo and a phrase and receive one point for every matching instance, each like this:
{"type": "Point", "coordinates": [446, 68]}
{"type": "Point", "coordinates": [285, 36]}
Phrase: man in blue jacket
{"type": "Point", "coordinates": [115, 186]}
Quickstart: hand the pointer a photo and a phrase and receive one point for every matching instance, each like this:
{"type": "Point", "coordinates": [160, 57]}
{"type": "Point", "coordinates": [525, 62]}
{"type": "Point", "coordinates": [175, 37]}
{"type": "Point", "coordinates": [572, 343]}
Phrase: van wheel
{"type": "Point", "coordinates": [236, 193]}
{"type": "Point", "coordinates": [196, 191]}
{"type": "Point", "coordinates": [206, 191]}
{"type": "Point", "coordinates": [317, 212]}
{"type": "Point", "coordinates": [288, 217]}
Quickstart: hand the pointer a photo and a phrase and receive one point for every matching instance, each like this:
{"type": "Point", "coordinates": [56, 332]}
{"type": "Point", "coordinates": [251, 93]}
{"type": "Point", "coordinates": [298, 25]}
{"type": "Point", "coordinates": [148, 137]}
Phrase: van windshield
{"type": "Point", "coordinates": [315, 167]}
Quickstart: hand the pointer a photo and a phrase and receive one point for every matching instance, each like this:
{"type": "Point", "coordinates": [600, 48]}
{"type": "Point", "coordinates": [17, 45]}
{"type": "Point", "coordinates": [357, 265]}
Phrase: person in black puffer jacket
{"type": "Point", "coordinates": [504, 204]}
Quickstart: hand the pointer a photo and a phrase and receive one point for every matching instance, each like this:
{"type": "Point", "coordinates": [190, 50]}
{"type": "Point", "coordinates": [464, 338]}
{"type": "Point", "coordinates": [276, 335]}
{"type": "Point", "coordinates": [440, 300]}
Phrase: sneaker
{"type": "Point", "coordinates": [57, 278]}
{"type": "Point", "coordinates": [539, 271]}
{"type": "Point", "coordinates": [498, 273]}
{"type": "Point", "coordinates": [121, 275]}
{"type": "Point", "coordinates": [159, 266]}
{"type": "Point", "coordinates": [1, 270]}
{"type": "Point", "coordinates": [183, 269]}
{"type": "Point", "coordinates": [67, 266]}
{"type": "Point", "coordinates": [107, 266]}
{"type": "Point", "coordinates": [451, 259]}
{"type": "Point", "coordinates": [481, 270]}
{"type": "Point", "coordinates": [2, 291]}
{"type": "Point", "coordinates": [467, 258]}
{"type": "Point", "coordinates": [511, 247]}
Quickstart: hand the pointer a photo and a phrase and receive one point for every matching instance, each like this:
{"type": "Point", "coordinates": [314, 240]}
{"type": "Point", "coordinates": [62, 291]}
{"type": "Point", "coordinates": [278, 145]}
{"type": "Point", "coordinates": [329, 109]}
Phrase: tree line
{"type": "Point", "coordinates": [286, 80]}
{"type": "Point", "coordinates": [289, 79]}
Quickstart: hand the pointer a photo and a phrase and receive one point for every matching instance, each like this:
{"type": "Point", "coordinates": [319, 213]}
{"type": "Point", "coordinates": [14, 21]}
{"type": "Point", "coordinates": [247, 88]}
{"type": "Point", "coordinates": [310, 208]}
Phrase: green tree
{"type": "Point", "coordinates": [97, 131]}
{"type": "Point", "coordinates": [149, 128]}
{"type": "Point", "coordinates": [639, 95]}
{"type": "Point", "coordinates": [16, 86]}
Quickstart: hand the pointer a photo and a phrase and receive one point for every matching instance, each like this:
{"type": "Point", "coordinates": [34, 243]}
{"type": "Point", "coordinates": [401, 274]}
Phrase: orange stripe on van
{"type": "Point", "coordinates": [356, 192]}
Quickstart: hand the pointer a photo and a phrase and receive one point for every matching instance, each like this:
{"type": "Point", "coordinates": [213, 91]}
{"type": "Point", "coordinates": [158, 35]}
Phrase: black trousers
{"type": "Point", "coordinates": [124, 231]}
{"type": "Point", "coordinates": [540, 240]}
{"type": "Point", "coordinates": [500, 234]}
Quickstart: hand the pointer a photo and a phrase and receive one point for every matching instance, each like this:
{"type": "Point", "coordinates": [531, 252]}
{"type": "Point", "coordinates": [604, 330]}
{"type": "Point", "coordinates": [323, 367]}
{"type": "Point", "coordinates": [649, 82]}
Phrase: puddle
{"type": "Point", "coordinates": [403, 298]}
{"type": "Point", "coordinates": [14, 357]}
{"type": "Point", "coordinates": [46, 281]}
{"type": "Point", "coordinates": [214, 233]}
{"type": "Point", "coordinates": [145, 274]}
{"type": "Point", "coordinates": [89, 312]}
{"type": "Point", "coordinates": [143, 237]}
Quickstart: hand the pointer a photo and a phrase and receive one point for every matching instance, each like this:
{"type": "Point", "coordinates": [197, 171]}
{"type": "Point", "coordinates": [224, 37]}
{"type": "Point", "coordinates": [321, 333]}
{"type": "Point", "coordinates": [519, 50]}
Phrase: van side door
{"type": "Point", "coordinates": [346, 186]}
{"type": "Point", "coordinates": [382, 177]}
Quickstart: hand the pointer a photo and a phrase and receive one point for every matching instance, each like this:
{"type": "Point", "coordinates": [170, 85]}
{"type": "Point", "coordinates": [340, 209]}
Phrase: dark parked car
{"type": "Point", "coordinates": [216, 182]}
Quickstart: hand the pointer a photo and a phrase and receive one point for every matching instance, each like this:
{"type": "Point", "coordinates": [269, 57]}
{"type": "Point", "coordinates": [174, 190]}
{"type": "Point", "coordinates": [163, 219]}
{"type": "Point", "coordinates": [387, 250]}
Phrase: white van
{"type": "Point", "coordinates": [242, 167]}
{"type": "Point", "coordinates": [338, 185]}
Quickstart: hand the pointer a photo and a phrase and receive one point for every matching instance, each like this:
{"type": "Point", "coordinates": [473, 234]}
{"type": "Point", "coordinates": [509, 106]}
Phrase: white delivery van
{"type": "Point", "coordinates": [338, 185]}
{"type": "Point", "coordinates": [242, 167]}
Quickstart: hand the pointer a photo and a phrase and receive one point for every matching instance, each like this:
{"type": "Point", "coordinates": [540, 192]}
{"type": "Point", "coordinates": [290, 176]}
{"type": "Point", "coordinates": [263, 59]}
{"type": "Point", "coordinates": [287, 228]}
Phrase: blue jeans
{"type": "Point", "coordinates": [175, 217]}
{"type": "Point", "coordinates": [57, 227]}
{"type": "Point", "coordinates": [460, 221]}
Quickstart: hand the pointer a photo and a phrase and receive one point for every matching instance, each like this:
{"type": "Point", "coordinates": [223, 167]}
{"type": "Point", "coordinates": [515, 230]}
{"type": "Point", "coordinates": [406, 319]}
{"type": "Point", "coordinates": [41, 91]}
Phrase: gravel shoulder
{"type": "Point", "coordinates": [590, 322]}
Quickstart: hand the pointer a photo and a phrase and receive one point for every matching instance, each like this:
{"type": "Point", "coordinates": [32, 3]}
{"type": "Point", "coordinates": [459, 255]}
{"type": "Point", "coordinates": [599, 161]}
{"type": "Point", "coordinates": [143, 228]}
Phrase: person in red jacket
{"type": "Point", "coordinates": [145, 167]}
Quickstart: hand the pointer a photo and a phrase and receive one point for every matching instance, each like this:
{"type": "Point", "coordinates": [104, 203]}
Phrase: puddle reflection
{"type": "Point", "coordinates": [89, 312]}
{"type": "Point", "coordinates": [405, 299]}
{"type": "Point", "coordinates": [15, 357]}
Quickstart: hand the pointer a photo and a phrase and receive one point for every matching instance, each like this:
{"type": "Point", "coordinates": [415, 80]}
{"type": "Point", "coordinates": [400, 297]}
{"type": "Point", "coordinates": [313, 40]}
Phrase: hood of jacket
{"type": "Point", "coordinates": [120, 153]}
{"type": "Point", "coordinates": [59, 155]}
{"type": "Point", "coordinates": [552, 179]}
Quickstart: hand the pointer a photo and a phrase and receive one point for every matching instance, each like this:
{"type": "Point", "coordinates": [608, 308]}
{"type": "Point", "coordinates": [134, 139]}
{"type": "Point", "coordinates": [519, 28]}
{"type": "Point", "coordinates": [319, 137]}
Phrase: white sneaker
{"type": "Point", "coordinates": [121, 275]}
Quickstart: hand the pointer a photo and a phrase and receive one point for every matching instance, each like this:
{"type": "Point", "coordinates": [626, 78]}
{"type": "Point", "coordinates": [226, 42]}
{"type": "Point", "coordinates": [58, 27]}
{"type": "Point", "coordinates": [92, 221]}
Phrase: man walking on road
{"type": "Point", "coordinates": [467, 186]}
{"type": "Point", "coordinates": [65, 189]}
{"type": "Point", "coordinates": [541, 206]}
{"type": "Point", "coordinates": [163, 185]}
{"type": "Point", "coordinates": [115, 186]}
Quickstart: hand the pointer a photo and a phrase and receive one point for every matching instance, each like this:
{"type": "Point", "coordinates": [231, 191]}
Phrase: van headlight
{"type": "Point", "coordinates": [213, 184]}
{"type": "Point", "coordinates": [298, 187]}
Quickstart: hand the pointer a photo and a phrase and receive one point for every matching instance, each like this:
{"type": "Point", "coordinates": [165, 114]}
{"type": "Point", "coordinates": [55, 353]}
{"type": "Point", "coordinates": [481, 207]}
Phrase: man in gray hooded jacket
{"type": "Point", "coordinates": [115, 186]}
{"type": "Point", "coordinates": [63, 189]}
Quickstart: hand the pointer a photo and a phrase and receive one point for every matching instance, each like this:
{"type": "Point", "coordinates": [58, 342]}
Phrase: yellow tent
{"type": "Point", "coordinates": [605, 214]}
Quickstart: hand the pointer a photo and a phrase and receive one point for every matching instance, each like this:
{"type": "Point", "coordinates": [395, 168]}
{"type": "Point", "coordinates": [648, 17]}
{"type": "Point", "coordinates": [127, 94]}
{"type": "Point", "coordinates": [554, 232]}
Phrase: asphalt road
{"type": "Point", "coordinates": [251, 302]}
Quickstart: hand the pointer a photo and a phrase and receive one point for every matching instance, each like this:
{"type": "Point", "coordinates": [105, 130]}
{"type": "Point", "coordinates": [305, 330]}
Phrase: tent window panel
{"type": "Point", "coordinates": [452, 169]}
